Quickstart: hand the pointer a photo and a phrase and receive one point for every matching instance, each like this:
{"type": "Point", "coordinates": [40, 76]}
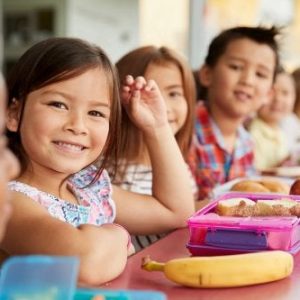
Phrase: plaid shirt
{"type": "Point", "coordinates": [210, 162]}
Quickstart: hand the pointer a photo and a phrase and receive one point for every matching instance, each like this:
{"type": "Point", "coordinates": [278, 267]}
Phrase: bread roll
{"type": "Point", "coordinates": [262, 186]}
{"type": "Point", "coordinates": [249, 186]}
{"type": "Point", "coordinates": [275, 186]}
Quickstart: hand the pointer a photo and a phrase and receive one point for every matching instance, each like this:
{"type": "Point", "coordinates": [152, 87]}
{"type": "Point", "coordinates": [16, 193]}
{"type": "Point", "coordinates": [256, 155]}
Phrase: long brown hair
{"type": "Point", "coordinates": [296, 76]}
{"type": "Point", "coordinates": [54, 60]}
{"type": "Point", "coordinates": [135, 63]}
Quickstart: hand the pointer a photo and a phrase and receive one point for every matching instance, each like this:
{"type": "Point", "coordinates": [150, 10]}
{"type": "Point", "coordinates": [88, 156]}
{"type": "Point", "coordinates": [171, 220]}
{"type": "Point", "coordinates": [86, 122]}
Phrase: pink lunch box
{"type": "Point", "coordinates": [211, 234]}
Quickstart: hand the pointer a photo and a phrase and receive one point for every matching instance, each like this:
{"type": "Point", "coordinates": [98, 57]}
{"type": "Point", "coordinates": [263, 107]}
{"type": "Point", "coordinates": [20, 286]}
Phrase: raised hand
{"type": "Point", "coordinates": [144, 103]}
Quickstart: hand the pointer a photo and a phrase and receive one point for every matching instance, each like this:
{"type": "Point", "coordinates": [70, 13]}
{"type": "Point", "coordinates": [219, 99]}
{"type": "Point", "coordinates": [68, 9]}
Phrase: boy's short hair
{"type": "Point", "coordinates": [260, 35]}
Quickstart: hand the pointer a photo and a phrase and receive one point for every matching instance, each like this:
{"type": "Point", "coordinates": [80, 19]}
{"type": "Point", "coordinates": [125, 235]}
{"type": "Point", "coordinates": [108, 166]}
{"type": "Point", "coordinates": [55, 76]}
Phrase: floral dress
{"type": "Point", "coordinates": [95, 203]}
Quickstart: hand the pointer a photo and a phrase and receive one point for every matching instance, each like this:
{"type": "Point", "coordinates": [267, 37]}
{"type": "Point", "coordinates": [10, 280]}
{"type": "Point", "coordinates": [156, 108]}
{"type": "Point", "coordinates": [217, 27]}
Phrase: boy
{"type": "Point", "coordinates": [238, 74]}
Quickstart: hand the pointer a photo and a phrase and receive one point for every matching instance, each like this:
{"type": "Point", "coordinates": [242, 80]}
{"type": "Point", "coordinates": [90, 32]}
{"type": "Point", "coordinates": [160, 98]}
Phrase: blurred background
{"type": "Point", "coordinates": [121, 25]}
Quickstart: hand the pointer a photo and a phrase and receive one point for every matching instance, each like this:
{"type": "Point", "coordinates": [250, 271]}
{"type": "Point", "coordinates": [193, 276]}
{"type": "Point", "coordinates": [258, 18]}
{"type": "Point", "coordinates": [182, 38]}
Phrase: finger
{"type": "Point", "coordinates": [125, 88]}
{"type": "Point", "coordinates": [125, 98]}
{"type": "Point", "coordinates": [151, 85]}
{"type": "Point", "coordinates": [128, 80]}
{"type": "Point", "coordinates": [136, 95]}
{"type": "Point", "coordinates": [140, 82]}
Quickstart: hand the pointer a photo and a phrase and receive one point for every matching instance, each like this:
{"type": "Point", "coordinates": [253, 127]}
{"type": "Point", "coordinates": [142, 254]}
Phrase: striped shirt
{"type": "Point", "coordinates": [209, 160]}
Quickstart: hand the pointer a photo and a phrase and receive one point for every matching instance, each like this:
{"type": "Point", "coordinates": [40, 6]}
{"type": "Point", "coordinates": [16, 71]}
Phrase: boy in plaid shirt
{"type": "Point", "coordinates": [238, 74]}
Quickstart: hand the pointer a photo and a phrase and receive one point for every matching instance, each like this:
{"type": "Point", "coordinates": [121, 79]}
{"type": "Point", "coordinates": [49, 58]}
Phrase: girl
{"type": "Point", "coordinates": [175, 81]}
{"type": "Point", "coordinates": [63, 117]}
{"type": "Point", "coordinates": [271, 144]}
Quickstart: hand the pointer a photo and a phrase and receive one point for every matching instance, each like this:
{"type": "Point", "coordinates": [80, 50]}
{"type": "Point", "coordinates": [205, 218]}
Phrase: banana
{"type": "Point", "coordinates": [225, 271]}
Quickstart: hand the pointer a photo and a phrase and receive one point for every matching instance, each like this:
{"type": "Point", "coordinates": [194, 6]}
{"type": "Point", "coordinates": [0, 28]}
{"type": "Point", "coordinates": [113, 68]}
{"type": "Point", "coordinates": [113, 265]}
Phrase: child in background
{"type": "Point", "coordinates": [285, 87]}
{"type": "Point", "coordinates": [9, 166]}
{"type": "Point", "coordinates": [175, 80]}
{"type": "Point", "coordinates": [238, 73]}
{"type": "Point", "coordinates": [63, 116]}
{"type": "Point", "coordinates": [270, 142]}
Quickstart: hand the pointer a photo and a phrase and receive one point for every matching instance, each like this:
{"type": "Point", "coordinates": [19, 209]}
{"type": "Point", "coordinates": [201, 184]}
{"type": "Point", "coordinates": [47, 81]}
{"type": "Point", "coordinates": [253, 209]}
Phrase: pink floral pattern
{"type": "Point", "coordinates": [95, 203]}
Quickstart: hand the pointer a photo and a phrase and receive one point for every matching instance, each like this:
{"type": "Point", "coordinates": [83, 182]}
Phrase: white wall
{"type": "Point", "coordinates": [165, 23]}
{"type": "Point", "coordinates": [113, 25]}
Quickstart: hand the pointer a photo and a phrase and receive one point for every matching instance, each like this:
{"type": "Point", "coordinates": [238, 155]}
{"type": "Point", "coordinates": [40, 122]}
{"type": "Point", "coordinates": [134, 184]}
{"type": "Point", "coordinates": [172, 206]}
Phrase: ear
{"type": "Point", "coordinates": [205, 75]}
{"type": "Point", "coordinates": [13, 115]}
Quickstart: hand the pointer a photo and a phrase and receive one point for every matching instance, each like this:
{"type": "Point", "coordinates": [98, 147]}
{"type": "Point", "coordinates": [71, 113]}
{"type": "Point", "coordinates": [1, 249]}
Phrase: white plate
{"type": "Point", "coordinates": [225, 188]}
{"type": "Point", "coordinates": [288, 171]}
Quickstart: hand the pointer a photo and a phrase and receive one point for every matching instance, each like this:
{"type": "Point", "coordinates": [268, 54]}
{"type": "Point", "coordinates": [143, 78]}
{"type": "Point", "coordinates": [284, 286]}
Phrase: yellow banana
{"type": "Point", "coordinates": [225, 271]}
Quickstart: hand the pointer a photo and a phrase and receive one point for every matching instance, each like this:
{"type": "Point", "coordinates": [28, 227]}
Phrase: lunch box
{"type": "Point", "coordinates": [42, 277]}
{"type": "Point", "coordinates": [211, 234]}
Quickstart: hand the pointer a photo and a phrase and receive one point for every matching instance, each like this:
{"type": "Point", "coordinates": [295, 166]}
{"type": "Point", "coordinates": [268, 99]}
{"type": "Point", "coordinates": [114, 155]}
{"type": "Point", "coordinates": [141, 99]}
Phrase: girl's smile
{"type": "Point", "coordinates": [69, 147]}
{"type": "Point", "coordinates": [67, 120]}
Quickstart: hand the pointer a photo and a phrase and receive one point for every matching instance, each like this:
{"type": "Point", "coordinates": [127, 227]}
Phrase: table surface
{"type": "Point", "coordinates": [173, 246]}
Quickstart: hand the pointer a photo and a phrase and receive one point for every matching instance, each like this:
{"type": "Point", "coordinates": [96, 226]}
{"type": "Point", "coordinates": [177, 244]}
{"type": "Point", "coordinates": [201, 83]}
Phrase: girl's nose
{"type": "Point", "coordinates": [168, 103]}
{"type": "Point", "coordinates": [76, 124]}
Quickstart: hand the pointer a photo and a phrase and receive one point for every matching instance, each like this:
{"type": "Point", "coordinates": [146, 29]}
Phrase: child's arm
{"type": "Point", "coordinates": [172, 200]}
{"type": "Point", "coordinates": [31, 230]}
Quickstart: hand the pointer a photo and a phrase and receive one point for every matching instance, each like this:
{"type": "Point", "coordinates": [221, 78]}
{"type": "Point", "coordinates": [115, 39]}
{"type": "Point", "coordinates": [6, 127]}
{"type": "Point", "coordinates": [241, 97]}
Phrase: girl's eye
{"type": "Point", "coordinates": [96, 113]}
{"type": "Point", "coordinates": [175, 94]}
{"type": "Point", "coordinates": [235, 67]}
{"type": "Point", "coordinates": [58, 104]}
{"type": "Point", "coordinates": [262, 75]}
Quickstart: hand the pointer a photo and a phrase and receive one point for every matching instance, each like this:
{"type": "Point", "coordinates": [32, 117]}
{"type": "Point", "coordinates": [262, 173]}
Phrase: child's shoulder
{"type": "Point", "coordinates": [23, 189]}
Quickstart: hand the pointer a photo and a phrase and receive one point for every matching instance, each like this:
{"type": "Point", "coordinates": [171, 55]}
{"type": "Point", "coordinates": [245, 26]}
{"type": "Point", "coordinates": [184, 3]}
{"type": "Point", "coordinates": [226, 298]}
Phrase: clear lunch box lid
{"type": "Point", "coordinates": [39, 277]}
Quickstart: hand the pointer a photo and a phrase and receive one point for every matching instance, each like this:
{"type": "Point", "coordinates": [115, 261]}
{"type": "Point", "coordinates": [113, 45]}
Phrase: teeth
{"type": "Point", "coordinates": [70, 146]}
{"type": "Point", "coordinates": [242, 96]}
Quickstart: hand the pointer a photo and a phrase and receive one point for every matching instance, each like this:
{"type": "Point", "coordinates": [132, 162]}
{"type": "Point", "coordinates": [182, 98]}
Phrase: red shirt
{"type": "Point", "coordinates": [210, 162]}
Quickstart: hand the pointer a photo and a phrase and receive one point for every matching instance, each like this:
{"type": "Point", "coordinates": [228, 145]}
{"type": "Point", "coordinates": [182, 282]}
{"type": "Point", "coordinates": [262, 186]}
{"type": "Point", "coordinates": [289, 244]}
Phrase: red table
{"type": "Point", "coordinates": [173, 246]}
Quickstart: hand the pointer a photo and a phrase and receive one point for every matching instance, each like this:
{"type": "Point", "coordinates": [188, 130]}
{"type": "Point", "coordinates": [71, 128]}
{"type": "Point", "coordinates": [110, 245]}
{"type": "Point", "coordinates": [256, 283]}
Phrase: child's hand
{"type": "Point", "coordinates": [130, 250]}
{"type": "Point", "coordinates": [144, 103]}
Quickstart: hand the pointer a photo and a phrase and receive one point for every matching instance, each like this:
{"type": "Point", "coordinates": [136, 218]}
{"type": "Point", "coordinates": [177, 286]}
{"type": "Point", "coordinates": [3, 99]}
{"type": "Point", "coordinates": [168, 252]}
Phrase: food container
{"type": "Point", "coordinates": [89, 294]}
{"type": "Point", "coordinates": [39, 277]}
{"type": "Point", "coordinates": [211, 234]}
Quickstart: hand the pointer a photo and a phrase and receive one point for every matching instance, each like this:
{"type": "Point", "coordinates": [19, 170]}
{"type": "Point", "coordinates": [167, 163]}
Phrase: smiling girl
{"type": "Point", "coordinates": [175, 80]}
{"type": "Point", "coordinates": [63, 123]}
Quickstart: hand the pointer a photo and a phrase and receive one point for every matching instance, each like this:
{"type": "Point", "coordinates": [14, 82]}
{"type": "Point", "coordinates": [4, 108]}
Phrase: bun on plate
{"type": "Point", "coordinates": [262, 186]}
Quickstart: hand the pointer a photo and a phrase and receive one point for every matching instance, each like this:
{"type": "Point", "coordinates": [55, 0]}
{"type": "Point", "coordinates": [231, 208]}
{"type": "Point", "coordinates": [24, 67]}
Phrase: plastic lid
{"type": "Point", "coordinates": [37, 277]}
{"type": "Point", "coordinates": [88, 294]}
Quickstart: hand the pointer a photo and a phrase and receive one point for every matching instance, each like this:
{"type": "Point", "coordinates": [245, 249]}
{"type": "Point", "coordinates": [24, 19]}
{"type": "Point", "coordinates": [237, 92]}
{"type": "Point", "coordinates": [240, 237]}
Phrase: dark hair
{"type": "Point", "coordinates": [136, 63]}
{"type": "Point", "coordinates": [260, 35]}
{"type": "Point", "coordinates": [296, 76]}
{"type": "Point", "coordinates": [54, 60]}
{"type": "Point", "coordinates": [201, 90]}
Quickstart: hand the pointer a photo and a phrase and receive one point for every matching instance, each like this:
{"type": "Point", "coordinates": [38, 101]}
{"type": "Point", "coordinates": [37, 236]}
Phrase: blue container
{"type": "Point", "coordinates": [88, 294]}
{"type": "Point", "coordinates": [38, 277]}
